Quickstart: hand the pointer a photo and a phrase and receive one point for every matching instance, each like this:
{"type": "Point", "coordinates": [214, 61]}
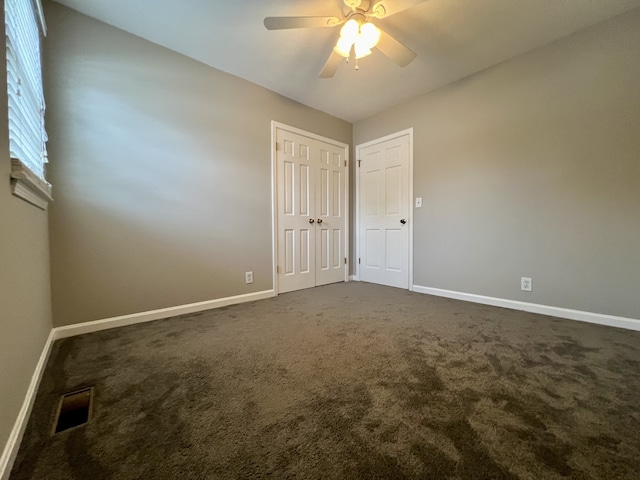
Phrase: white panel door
{"type": "Point", "coordinates": [384, 212]}
{"type": "Point", "coordinates": [311, 211]}
{"type": "Point", "coordinates": [330, 215]}
{"type": "Point", "coordinates": [296, 212]}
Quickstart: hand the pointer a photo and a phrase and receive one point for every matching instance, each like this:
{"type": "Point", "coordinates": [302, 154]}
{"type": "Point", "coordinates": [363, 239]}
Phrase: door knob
{"type": "Point", "coordinates": [403, 221]}
{"type": "Point", "coordinates": [319, 220]}
{"type": "Point", "coordinates": [311, 220]}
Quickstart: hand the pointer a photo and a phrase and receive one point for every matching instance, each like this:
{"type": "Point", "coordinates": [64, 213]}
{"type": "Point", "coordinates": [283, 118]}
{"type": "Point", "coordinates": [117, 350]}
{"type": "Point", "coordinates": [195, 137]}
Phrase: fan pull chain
{"type": "Point", "coordinates": [357, 66]}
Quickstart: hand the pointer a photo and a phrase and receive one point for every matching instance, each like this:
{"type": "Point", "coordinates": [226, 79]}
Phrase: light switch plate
{"type": "Point", "coordinates": [418, 202]}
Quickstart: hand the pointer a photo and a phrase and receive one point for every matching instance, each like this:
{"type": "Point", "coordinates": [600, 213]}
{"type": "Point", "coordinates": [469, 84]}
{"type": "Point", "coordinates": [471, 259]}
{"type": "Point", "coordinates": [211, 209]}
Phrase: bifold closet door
{"type": "Point", "coordinates": [296, 169]}
{"type": "Point", "coordinates": [311, 208]}
{"type": "Point", "coordinates": [330, 215]}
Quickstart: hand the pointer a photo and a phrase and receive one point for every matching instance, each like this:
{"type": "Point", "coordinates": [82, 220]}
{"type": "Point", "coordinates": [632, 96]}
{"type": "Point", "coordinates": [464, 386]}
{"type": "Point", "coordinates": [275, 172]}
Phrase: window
{"type": "Point", "coordinates": [27, 136]}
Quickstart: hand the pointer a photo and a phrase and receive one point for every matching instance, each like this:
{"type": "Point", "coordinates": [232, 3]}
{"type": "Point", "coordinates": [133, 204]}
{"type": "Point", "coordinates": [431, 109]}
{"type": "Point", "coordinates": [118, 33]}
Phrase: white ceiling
{"type": "Point", "coordinates": [453, 39]}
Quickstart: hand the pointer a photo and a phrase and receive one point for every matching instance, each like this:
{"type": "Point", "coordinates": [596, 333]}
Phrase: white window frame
{"type": "Point", "coordinates": [27, 135]}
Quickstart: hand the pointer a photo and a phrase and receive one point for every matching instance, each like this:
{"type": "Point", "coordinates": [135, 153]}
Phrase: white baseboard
{"type": "Point", "coordinates": [15, 438]}
{"type": "Point", "coordinates": [114, 322]}
{"type": "Point", "coordinates": [354, 278]}
{"type": "Point", "coordinates": [600, 319]}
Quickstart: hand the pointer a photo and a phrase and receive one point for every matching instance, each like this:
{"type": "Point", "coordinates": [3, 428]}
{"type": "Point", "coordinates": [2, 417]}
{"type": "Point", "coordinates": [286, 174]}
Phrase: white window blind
{"type": "Point", "coordinates": [27, 135]}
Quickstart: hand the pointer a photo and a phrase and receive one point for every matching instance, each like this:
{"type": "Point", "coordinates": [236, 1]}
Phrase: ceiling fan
{"type": "Point", "coordinates": [358, 33]}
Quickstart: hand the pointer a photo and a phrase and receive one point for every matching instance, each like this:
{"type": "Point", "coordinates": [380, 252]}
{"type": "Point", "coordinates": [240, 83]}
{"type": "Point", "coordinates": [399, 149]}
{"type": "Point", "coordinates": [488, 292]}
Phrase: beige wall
{"type": "Point", "coordinates": [526, 169]}
{"type": "Point", "coordinates": [532, 168]}
{"type": "Point", "coordinates": [25, 300]}
{"type": "Point", "coordinates": [162, 171]}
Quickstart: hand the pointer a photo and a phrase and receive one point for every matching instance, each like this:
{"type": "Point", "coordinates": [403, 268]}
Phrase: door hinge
{"type": "Point", "coordinates": [277, 146]}
{"type": "Point", "coordinates": [358, 261]}
{"type": "Point", "coordinates": [345, 260]}
{"type": "Point", "coordinates": [359, 163]}
{"type": "Point", "coordinates": [345, 163]}
{"type": "Point", "coordinates": [278, 269]}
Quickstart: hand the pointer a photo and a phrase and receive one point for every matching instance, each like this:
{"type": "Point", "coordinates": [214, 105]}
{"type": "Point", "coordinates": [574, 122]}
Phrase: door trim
{"type": "Point", "coordinates": [274, 195]}
{"type": "Point", "coordinates": [409, 132]}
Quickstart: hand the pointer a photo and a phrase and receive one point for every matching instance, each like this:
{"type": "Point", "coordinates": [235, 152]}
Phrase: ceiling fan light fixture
{"type": "Point", "coordinates": [369, 34]}
{"type": "Point", "coordinates": [357, 33]}
{"type": "Point", "coordinates": [361, 50]}
{"type": "Point", "coordinates": [350, 30]}
{"type": "Point", "coordinates": [343, 47]}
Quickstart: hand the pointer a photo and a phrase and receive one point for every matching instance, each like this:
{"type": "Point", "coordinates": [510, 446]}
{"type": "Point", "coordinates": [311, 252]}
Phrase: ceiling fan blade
{"type": "Point", "coordinates": [393, 49]}
{"type": "Point", "coordinates": [333, 62]}
{"type": "Point", "coordinates": [391, 7]}
{"type": "Point", "coordinates": [281, 23]}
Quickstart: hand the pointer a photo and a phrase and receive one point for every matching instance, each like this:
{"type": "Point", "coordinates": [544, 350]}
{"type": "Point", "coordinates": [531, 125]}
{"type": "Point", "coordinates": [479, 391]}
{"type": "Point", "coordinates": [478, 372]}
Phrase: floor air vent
{"type": "Point", "coordinates": [74, 409]}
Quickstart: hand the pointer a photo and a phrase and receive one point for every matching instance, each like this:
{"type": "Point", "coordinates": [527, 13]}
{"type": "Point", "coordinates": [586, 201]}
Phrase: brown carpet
{"type": "Point", "coordinates": [347, 381]}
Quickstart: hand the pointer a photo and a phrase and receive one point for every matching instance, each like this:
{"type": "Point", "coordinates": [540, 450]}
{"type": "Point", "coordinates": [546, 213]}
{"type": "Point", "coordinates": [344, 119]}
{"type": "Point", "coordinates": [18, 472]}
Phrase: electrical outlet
{"type": "Point", "coordinates": [248, 277]}
{"type": "Point", "coordinates": [526, 284]}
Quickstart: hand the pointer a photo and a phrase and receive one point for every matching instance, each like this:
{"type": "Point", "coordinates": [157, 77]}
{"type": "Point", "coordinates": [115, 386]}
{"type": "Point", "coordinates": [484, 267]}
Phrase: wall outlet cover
{"type": "Point", "coordinates": [526, 284]}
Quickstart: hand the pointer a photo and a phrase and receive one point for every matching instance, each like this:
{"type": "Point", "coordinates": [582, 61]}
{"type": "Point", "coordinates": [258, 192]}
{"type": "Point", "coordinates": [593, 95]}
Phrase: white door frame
{"type": "Point", "coordinates": [408, 131]}
{"type": "Point", "coordinates": [274, 195]}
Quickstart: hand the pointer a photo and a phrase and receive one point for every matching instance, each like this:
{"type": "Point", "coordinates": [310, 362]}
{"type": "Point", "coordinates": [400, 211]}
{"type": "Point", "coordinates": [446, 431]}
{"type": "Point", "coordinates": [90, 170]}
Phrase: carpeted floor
{"type": "Point", "coordinates": [347, 381]}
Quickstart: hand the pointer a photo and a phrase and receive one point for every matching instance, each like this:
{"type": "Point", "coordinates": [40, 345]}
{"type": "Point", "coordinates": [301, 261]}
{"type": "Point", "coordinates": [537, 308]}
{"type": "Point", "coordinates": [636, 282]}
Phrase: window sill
{"type": "Point", "coordinates": [28, 186]}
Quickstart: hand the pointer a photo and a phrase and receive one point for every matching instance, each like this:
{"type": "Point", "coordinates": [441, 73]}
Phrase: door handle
{"type": "Point", "coordinates": [403, 221]}
{"type": "Point", "coordinates": [319, 220]}
{"type": "Point", "coordinates": [311, 220]}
